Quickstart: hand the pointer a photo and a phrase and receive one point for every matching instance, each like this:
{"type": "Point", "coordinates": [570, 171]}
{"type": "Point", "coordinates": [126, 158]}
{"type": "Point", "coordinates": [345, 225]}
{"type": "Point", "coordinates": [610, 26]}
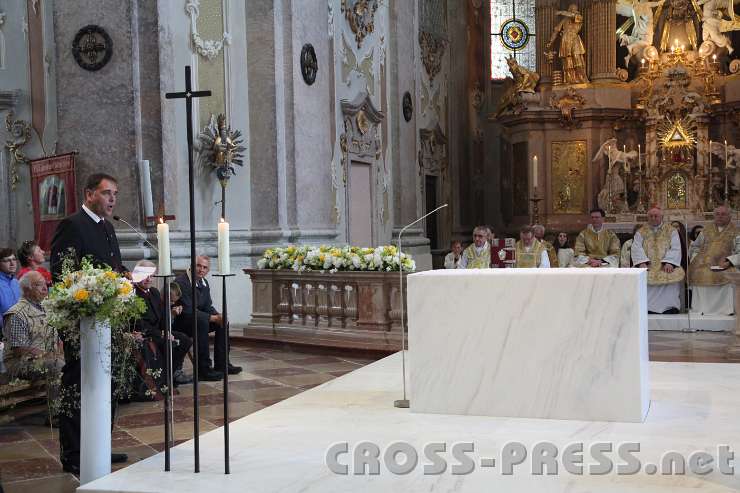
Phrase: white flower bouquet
{"type": "Point", "coordinates": [334, 259]}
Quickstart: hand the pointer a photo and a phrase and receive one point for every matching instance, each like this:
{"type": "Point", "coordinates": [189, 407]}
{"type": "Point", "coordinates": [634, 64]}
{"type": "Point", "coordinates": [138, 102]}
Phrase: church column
{"type": "Point", "coordinates": [545, 15]}
{"type": "Point", "coordinates": [601, 17]}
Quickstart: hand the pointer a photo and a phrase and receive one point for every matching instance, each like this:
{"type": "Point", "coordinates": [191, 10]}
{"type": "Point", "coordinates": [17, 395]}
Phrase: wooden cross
{"type": "Point", "coordinates": [188, 95]}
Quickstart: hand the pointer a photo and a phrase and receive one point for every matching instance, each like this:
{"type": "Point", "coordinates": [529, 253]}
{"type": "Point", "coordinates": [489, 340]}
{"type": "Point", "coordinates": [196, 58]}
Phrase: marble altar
{"type": "Point", "coordinates": [529, 343]}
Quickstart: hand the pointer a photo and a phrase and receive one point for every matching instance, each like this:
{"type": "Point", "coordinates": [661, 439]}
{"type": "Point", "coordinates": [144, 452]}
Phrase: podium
{"type": "Point", "coordinates": [530, 343]}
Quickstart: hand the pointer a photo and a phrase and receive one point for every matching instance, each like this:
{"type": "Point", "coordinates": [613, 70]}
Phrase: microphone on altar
{"type": "Point", "coordinates": [404, 403]}
{"type": "Point", "coordinates": [141, 235]}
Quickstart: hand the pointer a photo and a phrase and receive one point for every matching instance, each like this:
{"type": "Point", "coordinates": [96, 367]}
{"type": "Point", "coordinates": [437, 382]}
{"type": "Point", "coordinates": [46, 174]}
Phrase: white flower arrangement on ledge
{"type": "Point", "coordinates": [333, 259]}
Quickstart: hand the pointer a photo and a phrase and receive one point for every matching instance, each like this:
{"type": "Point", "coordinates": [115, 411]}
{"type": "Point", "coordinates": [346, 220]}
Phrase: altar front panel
{"type": "Point", "coordinates": [529, 343]}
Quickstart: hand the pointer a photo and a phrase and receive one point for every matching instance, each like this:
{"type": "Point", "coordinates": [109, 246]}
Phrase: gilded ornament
{"type": "Point", "coordinates": [432, 51]}
{"type": "Point", "coordinates": [567, 103]}
{"type": "Point", "coordinates": [221, 148]}
{"type": "Point", "coordinates": [360, 15]}
{"type": "Point", "coordinates": [20, 133]}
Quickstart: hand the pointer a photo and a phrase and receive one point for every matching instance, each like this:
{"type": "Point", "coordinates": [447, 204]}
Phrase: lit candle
{"type": "Point", "coordinates": [609, 157]}
{"type": "Point", "coordinates": [224, 264]}
{"type": "Point", "coordinates": [643, 64]}
{"type": "Point", "coordinates": [534, 171]}
{"type": "Point", "coordinates": [639, 158]}
{"type": "Point", "coordinates": [714, 58]}
{"type": "Point", "coordinates": [163, 245]}
{"type": "Point", "coordinates": [727, 162]}
{"type": "Point", "coordinates": [710, 157]}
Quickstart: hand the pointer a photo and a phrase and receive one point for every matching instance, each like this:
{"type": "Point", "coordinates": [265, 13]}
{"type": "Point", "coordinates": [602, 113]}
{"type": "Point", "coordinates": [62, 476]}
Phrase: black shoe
{"type": "Point", "coordinates": [208, 375]}
{"type": "Point", "coordinates": [233, 370]}
{"type": "Point", "coordinates": [179, 378]}
{"type": "Point", "coordinates": [71, 468]}
{"type": "Point", "coordinates": [671, 311]}
{"type": "Point", "coordinates": [118, 458]}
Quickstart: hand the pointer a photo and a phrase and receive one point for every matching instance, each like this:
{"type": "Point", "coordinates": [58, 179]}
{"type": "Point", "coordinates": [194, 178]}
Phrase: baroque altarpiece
{"type": "Point", "coordinates": [618, 104]}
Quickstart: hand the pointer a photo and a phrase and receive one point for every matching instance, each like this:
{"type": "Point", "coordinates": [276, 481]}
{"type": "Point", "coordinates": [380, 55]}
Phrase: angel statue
{"type": "Point", "coordinates": [712, 22]}
{"type": "Point", "coordinates": [571, 51]}
{"type": "Point", "coordinates": [641, 19]}
{"type": "Point", "coordinates": [611, 150]}
{"type": "Point", "coordinates": [729, 152]}
{"type": "Point", "coordinates": [614, 192]}
{"type": "Point", "coordinates": [220, 148]}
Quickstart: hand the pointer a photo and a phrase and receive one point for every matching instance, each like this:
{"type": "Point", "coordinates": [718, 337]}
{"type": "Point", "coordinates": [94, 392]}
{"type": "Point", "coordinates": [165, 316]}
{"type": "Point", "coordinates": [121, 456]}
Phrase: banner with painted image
{"type": "Point", "coordinates": [53, 193]}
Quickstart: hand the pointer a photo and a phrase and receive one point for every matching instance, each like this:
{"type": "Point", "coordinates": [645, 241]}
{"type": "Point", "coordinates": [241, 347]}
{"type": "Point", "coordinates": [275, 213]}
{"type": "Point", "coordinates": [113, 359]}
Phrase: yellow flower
{"type": "Point", "coordinates": [81, 295]}
{"type": "Point", "coordinates": [110, 275]}
{"type": "Point", "coordinates": [300, 259]}
{"type": "Point", "coordinates": [322, 258]}
{"type": "Point", "coordinates": [124, 289]}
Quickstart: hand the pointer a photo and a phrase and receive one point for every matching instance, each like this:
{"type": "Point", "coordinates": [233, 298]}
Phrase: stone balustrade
{"type": "Point", "coordinates": [344, 309]}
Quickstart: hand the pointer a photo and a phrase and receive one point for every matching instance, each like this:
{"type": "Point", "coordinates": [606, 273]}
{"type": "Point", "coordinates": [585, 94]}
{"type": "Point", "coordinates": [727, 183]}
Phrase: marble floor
{"type": "Point", "coordinates": [29, 451]}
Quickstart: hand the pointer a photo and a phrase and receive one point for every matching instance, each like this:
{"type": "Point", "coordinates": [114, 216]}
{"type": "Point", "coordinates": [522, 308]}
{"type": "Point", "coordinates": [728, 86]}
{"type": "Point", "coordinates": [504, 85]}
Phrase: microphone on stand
{"type": "Point", "coordinates": [404, 403]}
{"type": "Point", "coordinates": [141, 235]}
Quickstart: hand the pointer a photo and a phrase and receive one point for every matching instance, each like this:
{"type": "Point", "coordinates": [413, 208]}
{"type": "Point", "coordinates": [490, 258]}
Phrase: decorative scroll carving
{"type": "Point", "coordinates": [432, 153]}
{"type": "Point", "coordinates": [360, 15]}
{"type": "Point", "coordinates": [432, 51]}
{"type": "Point", "coordinates": [364, 67]}
{"type": "Point", "coordinates": [567, 103]}
{"type": "Point", "coordinates": [20, 133]}
{"type": "Point", "coordinates": [208, 49]}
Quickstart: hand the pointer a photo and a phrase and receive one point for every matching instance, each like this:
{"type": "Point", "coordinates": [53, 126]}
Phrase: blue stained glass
{"type": "Point", "coordinates": [512, 34]}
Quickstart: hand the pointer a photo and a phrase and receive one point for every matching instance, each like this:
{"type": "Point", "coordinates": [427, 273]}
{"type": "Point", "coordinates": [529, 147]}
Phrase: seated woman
{"type": "Point", "coordinates": [31, 256]}
{"type": "Point", "coordinates": [149, 331]}
{"type": "Point", "coordinates": [564, 251]}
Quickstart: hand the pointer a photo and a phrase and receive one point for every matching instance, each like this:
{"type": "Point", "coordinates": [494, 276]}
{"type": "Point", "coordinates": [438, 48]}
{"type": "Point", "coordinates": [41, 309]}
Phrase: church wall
{"type": "Point", "coordinates": [26, 38]}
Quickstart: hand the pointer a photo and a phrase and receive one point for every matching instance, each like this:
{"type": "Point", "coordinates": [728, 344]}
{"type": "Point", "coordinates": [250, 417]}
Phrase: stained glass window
{"type": "Point", "coordinates": [512, 34]}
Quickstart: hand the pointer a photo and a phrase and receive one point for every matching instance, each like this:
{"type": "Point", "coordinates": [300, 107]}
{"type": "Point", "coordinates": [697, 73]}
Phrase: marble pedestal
{"type": "Point", "coordinates": [733, 351]}
{"type": "Point", "coordinates": [530, 343]}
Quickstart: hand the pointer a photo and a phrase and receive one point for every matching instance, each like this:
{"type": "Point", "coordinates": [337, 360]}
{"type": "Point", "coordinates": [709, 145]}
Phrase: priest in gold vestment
{"type": "Point", "coordinates": [717, 245]}
{"type": "Point", "coordinates": [530, 252]}
{"type": "Point", "coordinates": [597, 246]}
{"type": "Point", "coordinates": [478, 254]}
{"type": "Point", "coordinates": [657, 247]}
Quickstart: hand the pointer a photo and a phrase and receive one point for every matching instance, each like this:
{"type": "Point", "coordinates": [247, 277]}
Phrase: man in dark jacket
{"type": "Point", "coordinates": [86, 233]}
{"type": "Point", "coordinates": [209, 320]}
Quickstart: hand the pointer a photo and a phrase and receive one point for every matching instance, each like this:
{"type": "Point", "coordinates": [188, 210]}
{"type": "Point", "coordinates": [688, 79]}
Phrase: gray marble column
{"type": "Point", "coordinates": [603, 14]}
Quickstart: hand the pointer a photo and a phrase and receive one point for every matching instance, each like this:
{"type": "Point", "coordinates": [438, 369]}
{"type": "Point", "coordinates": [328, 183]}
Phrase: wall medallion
{"type": "Point", "coordinates": [408, 107]}
{"type": "Point", "coordinates": [309, 64]}
{"type": "Point", "coordinates": [92, 48]}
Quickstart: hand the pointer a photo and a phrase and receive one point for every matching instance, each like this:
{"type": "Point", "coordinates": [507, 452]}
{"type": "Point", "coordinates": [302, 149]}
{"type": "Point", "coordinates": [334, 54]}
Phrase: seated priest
{"type": "Point", "coordinates": [718, 245]}
{"type": "Point", "coordinates": [539, 234]}
{"type": "Point", "coordinates": [530, 252]}
{"type": "Point", "coordinates": [478, 254]}
{"type": "Point", "coordinates": [32, 349]}
{"type": "Point", "coordinates": [657, 247]}
{"type": "Point", "coordinates": [597, 246]}
{"type": "Point", "coordinates": [452, 259]}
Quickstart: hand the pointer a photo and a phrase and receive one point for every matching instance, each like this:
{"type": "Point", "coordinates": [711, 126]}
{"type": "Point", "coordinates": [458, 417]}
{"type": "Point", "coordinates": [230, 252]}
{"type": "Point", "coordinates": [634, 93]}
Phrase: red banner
{"type": "Point", "coordinates": [54, 194]}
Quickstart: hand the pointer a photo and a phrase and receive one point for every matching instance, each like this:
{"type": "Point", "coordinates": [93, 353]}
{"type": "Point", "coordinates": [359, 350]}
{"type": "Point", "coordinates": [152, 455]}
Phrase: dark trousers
{"type": "Point", "coordinates": [183, 324]}
{"type": "Point", "coordinates": [180, 347]}
{"type": "Point", "coordinates": [69, 418]}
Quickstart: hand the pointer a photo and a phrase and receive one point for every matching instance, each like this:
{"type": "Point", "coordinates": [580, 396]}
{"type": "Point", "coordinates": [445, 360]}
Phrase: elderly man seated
{"type": "Point", "coordinates": [539, 235]}
{"type": "Point", "coordinates": [32, 350]}
{"type": "Point", "coordinates": [530, 252]}
{"type": "Point", "coordinates": [477, 255]}
{"type": "Point", "coordinates": [657, 247]}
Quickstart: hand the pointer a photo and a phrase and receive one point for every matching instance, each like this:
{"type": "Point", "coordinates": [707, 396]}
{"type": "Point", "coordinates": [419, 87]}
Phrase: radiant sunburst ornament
{"type": "Point", "coordinates": [677, 135]}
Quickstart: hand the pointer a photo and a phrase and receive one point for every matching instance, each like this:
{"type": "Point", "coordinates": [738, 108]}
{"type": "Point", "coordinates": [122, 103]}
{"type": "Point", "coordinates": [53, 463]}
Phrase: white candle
{"type": "Point", "coordinates": [727, 163]}
{"type": "Point", "coordinates": [224, 264]}
{"type": "Point", "coordinates": [710, 158]}
{"type": "Point", "coordinates": [163, 245]}
{"type": "Point", "coordinates": [146, 188]}
{"type": "Point", "coordinates": [639, 157]}
{"type": "Point", "coordinates": [534, 172]}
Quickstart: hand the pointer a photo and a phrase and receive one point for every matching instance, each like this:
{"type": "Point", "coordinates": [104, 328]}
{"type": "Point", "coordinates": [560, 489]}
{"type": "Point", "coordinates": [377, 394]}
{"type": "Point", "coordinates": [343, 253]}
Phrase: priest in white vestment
{"type": "Point", "coordinates": [657, 247]}
{"type": "Point", "coordinates": [717, 246]}
{"type": "Point", "coordinates": [530, 252]}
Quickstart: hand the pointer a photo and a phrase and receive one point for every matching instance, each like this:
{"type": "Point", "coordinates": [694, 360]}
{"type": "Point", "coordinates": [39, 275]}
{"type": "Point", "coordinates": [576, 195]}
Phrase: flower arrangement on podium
{"type": "Point", "coordinates": [92, 309]}
{"type": "Point", "coordinates": [334, 259]}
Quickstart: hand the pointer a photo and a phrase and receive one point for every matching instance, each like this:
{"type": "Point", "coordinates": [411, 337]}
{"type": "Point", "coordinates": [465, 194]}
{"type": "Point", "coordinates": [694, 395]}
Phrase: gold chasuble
{"type": "Point", "coordinates": [476, 261]}
{"type": "Point", "coordinates": [529, 259]}
{"type": "Point", "coordinates": [597, 245]}
{"type": "Point", "coordinates": [551, 253]}
{"type": "Point", "coordinates": [656, 244]}
{"type": "Point", "coordinates": [717, 245]}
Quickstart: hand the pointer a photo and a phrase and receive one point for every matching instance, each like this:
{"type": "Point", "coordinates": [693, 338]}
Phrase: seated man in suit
{"type": "Point", "coordinates": [208, 320]}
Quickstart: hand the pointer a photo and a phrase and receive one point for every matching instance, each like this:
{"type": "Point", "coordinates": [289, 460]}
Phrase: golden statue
{"type": "Point", "coordinates": [678, 21]}
{"type": "Point", "coordinates": [524, 80]}
{"type": "Point", "coordinates": [571, 51]}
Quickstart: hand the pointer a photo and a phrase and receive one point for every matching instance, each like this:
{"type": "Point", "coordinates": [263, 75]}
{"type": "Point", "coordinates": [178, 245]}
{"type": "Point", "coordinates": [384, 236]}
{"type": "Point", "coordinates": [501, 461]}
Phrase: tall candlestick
{"type": "Point", "coordinates": [163, 245]}
{"type": "Point", "coordinates": [639, 158]}
{"type": "Point", "coordinates": [727, 163]}
{"type": "Point", "coordinates": [146, 188]}
{"type": "Point", "coordinates": [626, 161]}
{"type": "Point", "coordinates": [224, 263]}
{"type": "Point", "coordinates": [534, 172]}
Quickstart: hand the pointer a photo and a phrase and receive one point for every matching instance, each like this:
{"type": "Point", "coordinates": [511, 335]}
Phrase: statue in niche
{"type": "Point", "coordinates": [712, 21]}
{"type": "Point", "coordinates": [679, 23]}
{"type": "Point", "coordinates": [571, 51]}
{"type": "Point", "coordinates": [641, 36]}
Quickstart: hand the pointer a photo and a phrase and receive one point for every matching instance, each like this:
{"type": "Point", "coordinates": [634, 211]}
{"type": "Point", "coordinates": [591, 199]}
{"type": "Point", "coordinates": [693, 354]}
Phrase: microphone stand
{"type": "Point", "coordinates": [404, 403]}
{"type": "Point", "coordinates": [141, 235]}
